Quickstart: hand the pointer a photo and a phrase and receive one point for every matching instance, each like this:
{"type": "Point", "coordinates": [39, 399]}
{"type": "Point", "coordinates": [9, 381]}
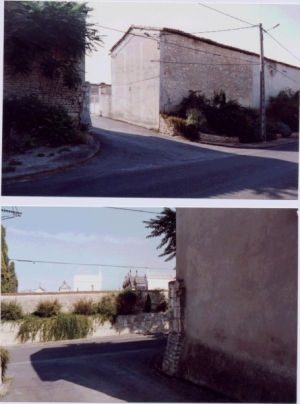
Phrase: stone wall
{"type": "Point", "coordinates": [176, 332]}
{"type": "Point", "coordinates": [17, 86]}
{"type": "Point", "coordinates": [168, 129]}
{"type": "Point", "coordinates": [191, 64]}
{"type": "Point", "coordinates": [141, 323]}
{"type": "Point", "coordinates": [28, 301]}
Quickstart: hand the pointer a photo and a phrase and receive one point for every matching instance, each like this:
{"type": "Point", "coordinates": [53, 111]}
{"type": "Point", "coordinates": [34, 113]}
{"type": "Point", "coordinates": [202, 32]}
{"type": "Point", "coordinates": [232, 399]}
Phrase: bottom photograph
{"type": "Point", "coordinates": [148, 304]}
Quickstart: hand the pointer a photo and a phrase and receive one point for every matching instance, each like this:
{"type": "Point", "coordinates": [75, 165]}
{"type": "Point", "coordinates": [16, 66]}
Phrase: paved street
{"type": "Point", "coordinates": [117, 369]}
{"type": "Point", "coordinates": [135, 162]}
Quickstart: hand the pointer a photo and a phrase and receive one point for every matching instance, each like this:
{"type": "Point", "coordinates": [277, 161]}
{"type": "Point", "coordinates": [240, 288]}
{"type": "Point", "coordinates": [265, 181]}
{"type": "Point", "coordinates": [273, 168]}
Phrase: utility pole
{"type": "Point", "coordinates": [262, 88]}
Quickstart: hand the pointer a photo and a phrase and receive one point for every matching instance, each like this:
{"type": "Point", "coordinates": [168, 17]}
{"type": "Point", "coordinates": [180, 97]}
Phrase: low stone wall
{"type": "Point", "coordinates": [168, 129]}
{"type": "Point", "coordinates": [205, 137]}
{"type": "Point", "coordinates": [29, 301]}
{"type": "Point", "coordinates": [165, 127]}
{"type": "Point", "coordinates": [142, 323]}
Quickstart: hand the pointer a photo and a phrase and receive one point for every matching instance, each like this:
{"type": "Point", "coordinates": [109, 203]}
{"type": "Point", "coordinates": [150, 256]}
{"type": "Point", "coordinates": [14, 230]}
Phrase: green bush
{"type": "Point", "coordinates": [106, 308]}
{"type": "Point", "coordinates": [64, 326]}
{"type": "Point", "coordinates": [35, 123]}
{"type": "Point", "coordinates": [216, 116]}
{"type": "Point", "coordinates": [285, 108]}
{"type": "Point", "coordinates": [126, 301]}
{"type": "Point", "coordinates": [84, 306]}
{"type": "Point", "coordinates": [182, 128]}
{"type": "Point", "coordinates": [11, 311]}
{"type": "Point", "coordinates": [4, 358]}
{"type": "Point", "coordinates": [47, 308]}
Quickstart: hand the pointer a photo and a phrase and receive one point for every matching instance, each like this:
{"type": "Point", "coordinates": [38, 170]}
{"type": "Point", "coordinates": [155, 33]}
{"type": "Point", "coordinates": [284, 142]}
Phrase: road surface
{"type": "Point", "coordinates": [136, 163]}
{"type": "Point", "coordinates": [99, 370]}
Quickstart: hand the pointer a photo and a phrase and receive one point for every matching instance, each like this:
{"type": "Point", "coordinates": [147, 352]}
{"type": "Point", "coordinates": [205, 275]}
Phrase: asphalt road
{"type": "Point", "coordinates": [142, 164]}
{"type": "Point", "coordinates": [102, 370]}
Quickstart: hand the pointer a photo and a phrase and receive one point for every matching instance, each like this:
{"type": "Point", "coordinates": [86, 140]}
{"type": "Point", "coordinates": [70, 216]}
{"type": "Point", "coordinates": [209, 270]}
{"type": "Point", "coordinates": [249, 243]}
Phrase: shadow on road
{"type": "Point", "coordinates": [149, 166]}
{"type": "Point", "coordinates": [122, 371]}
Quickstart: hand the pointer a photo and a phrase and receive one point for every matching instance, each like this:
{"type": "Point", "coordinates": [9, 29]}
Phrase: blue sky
{"type": "Point", "coordinates": [80, 235]}
{"type": "Point", "coordinates": [192, 17]}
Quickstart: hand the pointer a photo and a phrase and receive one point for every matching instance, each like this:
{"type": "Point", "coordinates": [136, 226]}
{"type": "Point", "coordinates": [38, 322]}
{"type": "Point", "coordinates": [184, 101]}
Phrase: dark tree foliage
{"type": "Point", "coordinates": [164, 225]}
{"type": "Point", "coordinates": [55, 35]}
{"type": "Point", "coordinates": [9, 281]}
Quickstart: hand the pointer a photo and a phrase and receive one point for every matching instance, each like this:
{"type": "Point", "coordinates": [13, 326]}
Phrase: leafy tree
{"type": "Point", "coordinates": [49, 38]}
{"type": "Point", "coordinates": [9, 281]}
{"type": "Point", "coordinates": [164, 225]}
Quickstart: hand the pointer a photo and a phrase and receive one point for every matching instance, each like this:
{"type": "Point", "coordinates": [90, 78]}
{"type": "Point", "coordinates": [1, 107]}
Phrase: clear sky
{"type": "Point", "coordinates": [84, 236]}
{"type": "Point", "coordinates": [193, 18]}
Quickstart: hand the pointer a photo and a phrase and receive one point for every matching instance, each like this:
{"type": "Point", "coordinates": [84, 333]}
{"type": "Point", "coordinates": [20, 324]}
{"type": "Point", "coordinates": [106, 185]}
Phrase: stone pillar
{"type": "Point", "coordinates": [177, 331]}
{"type": "Point", "coordinates": [84, 100]}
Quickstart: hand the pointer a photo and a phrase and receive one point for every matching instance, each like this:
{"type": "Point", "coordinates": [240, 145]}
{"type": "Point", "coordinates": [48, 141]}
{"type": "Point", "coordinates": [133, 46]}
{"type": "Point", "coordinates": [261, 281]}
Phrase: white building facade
{"type": "Point", "coordinates": [87, 283]}
{"type": "Point", "coordinates": [153, 69]}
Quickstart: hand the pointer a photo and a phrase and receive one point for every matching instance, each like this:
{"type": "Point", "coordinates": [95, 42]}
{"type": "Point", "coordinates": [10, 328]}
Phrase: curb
{"type": "Point", "coordinates": [264, 145]}
{"type": "Point", "coordinates": [95, 141]}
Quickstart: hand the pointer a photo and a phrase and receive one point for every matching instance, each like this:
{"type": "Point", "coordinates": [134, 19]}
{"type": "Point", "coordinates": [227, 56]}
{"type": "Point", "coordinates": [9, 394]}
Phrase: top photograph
{"type": "Point", "coordinates": [151, 100]}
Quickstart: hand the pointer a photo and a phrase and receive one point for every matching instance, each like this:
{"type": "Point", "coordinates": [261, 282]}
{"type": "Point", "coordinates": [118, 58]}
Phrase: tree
{"type": "Point", "coordinates": [9, 281]}
{"type": "Point", "coordinates": [49, 39]}
{"type": "Point", "coordinates": [164, 225]}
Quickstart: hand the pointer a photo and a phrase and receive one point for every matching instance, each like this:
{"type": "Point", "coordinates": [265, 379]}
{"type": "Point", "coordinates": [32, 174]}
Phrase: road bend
{"type": "Point", "coordinates": [137, 163]}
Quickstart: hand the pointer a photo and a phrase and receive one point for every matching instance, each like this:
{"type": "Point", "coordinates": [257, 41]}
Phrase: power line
{"type": "Point", "coordinates": [206, 64]}
{"type": "Point", "coordinates": [281, 45]}
{"type": "Point", "coordinates": [284, 74]}
{"type": "Point", "coordinates": [228, 15]}
{"type": "Point", "coordinates": [83, 264]}
{"type": "Point", "coordinates": [135, 210]}
{"type": "Point", "coordinates": [224, 30]}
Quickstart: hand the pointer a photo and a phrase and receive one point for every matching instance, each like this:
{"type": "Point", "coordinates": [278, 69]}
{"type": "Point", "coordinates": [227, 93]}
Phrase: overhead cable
{"type": "Point", "coordinates": [228, 15]}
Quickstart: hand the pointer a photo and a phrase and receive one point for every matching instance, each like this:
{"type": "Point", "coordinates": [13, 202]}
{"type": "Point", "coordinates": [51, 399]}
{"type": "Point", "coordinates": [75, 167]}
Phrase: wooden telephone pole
{"type": "Point", "coordinates": [262, 88]}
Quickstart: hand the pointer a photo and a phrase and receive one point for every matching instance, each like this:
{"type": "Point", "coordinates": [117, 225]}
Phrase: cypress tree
{"type": "Point", "coordinates": [9, 281]}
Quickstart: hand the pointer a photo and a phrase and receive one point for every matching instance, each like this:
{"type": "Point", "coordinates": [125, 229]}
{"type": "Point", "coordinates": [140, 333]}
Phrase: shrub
{"type": "Point", "coordinates": [33, 122]}
{"type": "Point", "coordinates": [162, 306]}
{"type": "Point", "coordinates": [84, 306]}
{"type": "Point", "coordinates": [4, 358]}
{"type": "Point", "coordinates": [182, 128]}
{"type": "Point", "coordinates": [106, 308]}
{"type": "Point", "coordinates": [11, 311]}
{"type": "Point", "coordinates": [285, 108]}
{"type": "Point", "coordinates": [148, 304]}
{"type": "Point", "coordinates": [126, 301]}
{"type": "Point", "coordinates": [47, 308]}
{"type": "Point", "coordinates": [64, 326]}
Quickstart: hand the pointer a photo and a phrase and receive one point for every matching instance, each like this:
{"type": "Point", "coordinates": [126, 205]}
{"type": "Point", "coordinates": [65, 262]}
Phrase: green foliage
{"type": "Point", "coordinates": [164, 225]}
{"type": "Point", "coordinates": [11, 310]}
{"type": "Point", "coordinates": [126, 301]}
{"type": "Point", "coordinates": [4, 358]}
{"type": "Point", "coordinates": [37, 123]}
{"type": "Point", "coordinates": [148, 304]}
{"type": "Point", "coordinates": [162, 306]}
{"type": "Point", "coordinates": [50, 36]}
{"type": "Point", "coordinates": [48, 308]}
{"type": "Point", "coordinates": [9, 281]}
{"type": "Point", "coordinates": [218, 116]}
{"type": "Point", "coordinates": [84, 306]}
{"type": "Point", "coordinates": [284, 108]}
{"type": "Point", "coordinates": [64, 326]}
{"type": "Point", "coordinates": [107, 309]}
{"type": "Point", "coordinates": [183, 129]}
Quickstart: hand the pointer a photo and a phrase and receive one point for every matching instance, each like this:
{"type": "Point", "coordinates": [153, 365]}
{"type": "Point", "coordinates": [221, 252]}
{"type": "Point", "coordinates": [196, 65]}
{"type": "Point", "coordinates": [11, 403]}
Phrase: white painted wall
{"type": "Point", "coordinates": [135, 80]}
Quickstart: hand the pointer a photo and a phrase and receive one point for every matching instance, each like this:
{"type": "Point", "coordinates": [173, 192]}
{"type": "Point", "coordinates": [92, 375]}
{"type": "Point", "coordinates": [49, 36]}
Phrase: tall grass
{"type": "Point", "coordinates": [64, 326]}
{"type": "Point", "coordinates": [4, 358]}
